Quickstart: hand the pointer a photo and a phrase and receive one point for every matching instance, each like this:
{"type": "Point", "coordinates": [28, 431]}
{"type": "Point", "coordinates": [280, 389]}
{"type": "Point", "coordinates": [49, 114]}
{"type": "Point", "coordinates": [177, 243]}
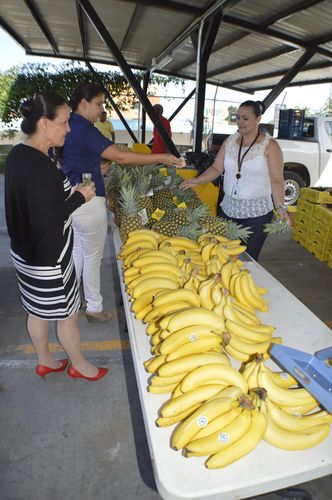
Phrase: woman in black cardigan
{"type": "Point", "coordinates": [39, 202]}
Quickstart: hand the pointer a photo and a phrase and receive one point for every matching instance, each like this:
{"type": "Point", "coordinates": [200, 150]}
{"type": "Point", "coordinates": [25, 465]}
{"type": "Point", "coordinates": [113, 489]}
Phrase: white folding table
{"type": "Point", "coordinates": [266, 468]}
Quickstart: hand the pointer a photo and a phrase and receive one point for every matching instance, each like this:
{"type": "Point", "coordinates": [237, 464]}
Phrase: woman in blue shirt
{"type": "Point", "coordinates": [82, 152]}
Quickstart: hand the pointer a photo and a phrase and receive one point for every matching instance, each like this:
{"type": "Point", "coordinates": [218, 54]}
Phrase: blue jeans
{"type": "Point", "coordinates": [256, 240]}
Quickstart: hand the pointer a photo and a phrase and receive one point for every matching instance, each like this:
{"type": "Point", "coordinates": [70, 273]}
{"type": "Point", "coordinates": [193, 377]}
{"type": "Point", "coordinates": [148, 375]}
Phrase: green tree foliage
{"type": "Point", "coordinates": [327, 108]}
{"type": "Point", "coordinates": [26, 80]}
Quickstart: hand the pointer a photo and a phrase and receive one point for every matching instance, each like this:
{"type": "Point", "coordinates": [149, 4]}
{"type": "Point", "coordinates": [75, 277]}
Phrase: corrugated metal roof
{"type": "Point", "coordinates": [257, 42]}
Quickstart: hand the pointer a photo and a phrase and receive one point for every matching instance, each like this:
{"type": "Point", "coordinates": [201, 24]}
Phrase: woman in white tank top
{"type": "Point", "coordinates": [252, 165]}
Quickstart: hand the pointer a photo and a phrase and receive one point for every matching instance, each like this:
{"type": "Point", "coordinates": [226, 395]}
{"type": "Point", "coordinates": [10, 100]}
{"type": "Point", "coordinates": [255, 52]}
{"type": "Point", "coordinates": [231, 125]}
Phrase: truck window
{"type": "Point", "coordinates": [308, 128]}
{"type": "Point", "coordinates": [328, 128]}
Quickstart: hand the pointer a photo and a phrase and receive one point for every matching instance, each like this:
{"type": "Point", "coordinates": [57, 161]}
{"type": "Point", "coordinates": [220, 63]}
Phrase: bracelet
{"type": "Point", "coordinates": [283, 207]}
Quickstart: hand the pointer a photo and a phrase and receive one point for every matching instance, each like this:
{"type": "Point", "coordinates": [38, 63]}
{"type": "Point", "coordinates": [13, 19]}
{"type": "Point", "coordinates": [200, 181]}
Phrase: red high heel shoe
{"type": "Point", "coordinates": [42, 370]}
{"type": "Point", "coordinates": [75, 374]}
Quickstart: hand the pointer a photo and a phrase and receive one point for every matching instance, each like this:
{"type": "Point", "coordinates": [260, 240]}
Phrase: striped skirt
{"type": "Point", "coordinates": [50, 293]}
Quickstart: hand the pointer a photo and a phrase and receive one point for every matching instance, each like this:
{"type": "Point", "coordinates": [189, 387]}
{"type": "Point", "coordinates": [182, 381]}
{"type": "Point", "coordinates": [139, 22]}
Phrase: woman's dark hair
{"type": "Point", "coordinates": [257, 106]}
{"type": "Point", "coordinates": [84, 91]}
{"type": "Point", "coordinates": [40, 105]}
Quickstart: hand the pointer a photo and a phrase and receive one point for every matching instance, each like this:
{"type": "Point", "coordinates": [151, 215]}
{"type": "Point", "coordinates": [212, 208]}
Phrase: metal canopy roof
{"type": "Point", "coordinates": [257, 43]}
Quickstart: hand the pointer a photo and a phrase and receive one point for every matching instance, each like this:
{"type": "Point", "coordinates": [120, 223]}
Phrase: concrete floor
{"type": "Point", "coordinates": [64, 439]}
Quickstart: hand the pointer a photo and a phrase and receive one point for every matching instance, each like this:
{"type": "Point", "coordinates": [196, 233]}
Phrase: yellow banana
{"type": "Point", "coordinates": [222, 255]}
{"type": "Point", "coordinates": [234, 353]}
{"type": "Point", "coordinates": [250, 293]}
{"type": "Point", "coordinates": [196, 316]}
{"type": "Point", "coordinates": [161, 381]}
{"type": "Point", "coordinates": [177, 405]}
{"type": "Point", "coordinates": [181, 242]}
{"type": "Point", "coordinates": [190, 333]}
{"type": "Point", "coordinates": [300, 409]}
{"type": "Point", "coordinates": [162, 266]}
{"type": "Point", "coordinates": [291, 440]}
{"type": "Point", "coordinates": [223, 373]}
{"type": "Point", "coordinates": [177, 295]}
{"type": "Point", "coordinates": [250, 333]}
{"type": "Point", "coordinates": [139, 238]}
{"type": "Point", "coordinates": [128, 261]}
{"type": "Point", "coordinates": [249, 348]}
{"type": "Point", "coordinates": [283, 379]}
{"type": "Point", "coordinates": [152, 328]}
{"type": "Point", "coordinates": [167, 421]}
{"type": "Point", "coordinates": [187, 429]}
{"type": "Point", "coordinates": [235, 276]}
{"type": "Point", "coordinates": [222, 438]}
{"type": "Point", "coordinates": [161, 389]}
{"type": "Point", "coordinates": [206, 250]}
{"type": "Point", "coordinates": [252, 379]}
{"type": "Point", "coordinates": [151, 283]}
{"type": "Point", "coordinates": [244, 307]}
{"type": "Point", "coordinates": [216, 293]}
{"type": "Point", "coordinates": [189, 363]}
{"type": "Point", "coordinates": [161, 311]}
{"type": "Point", "coordinates": [245, 317]}
{"type": "Point", "coordinates": [155, 274]}
{"type": "Point", "coordinates": [219, 422]}
{"type": "Point", "coordinates": [147, 232]}
{"type": "Point", "coordinates": [226, 273]}
{"type": "Point", "coordinates": [296, 423]}
{"type": "Point", "coordinates": [130, 273]}
{"type": "Point", "coordinates": [247, 369]}
{"type": "Point", "coordinates": [241, 447]}
{"type": "Point", "coordinates": [144, 300]}
{"type": "Point", "coordinates": [154, 257]}
{"type": "Point", "coordinates": [153, 364]}
{"type": "Point", "coordinates": [282, 396]}
{"type": "Point", "coordinates": [200, 346]}
{"type": "Point", "coordinates": [143, 311]}
{"type": "Point", "coordinates": [134, 247]}
{"type": "Point", "coordinates": [205, 294]}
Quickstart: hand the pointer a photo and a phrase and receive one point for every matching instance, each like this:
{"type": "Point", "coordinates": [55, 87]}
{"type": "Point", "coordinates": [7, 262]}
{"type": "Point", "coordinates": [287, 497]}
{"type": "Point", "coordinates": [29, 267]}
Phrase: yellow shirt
{"type": "Point", "coordinates": [106, 128]}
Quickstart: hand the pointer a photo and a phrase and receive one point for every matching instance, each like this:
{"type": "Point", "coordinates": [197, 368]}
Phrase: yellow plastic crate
{"type": "Point", "coordinates": [318, 227]}
{"type": "Point", "coordinates": [323, 214]}
{"type": "Point", "coordinates": [305, 208]}
{"type": "Point", "coordinates": [316, 196]}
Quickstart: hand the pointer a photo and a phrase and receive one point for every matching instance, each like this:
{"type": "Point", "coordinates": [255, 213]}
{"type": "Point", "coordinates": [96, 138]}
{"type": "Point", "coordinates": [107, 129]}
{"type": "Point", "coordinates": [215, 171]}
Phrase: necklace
{"type": "Point", "coordinates": [239, 159]}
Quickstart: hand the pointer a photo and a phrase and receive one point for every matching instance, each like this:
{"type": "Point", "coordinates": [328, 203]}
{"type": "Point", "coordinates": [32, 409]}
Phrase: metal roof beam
{"type": "Point", "coordinates": [288, 39]}
{"type": "Point", "coordinates": [14, 35]}
{"type": "Point", "coordinates": [81, 29]}
{"type": "Point", "coordinates": [132, 80]}
{"type": "Point", "coordinates": [48, 35]}
{"type": "Point", "coordinates": [305, 4]}
{"type": "Point", "coordinates": [131, 24]}
{"type": "Point", "coordinates": [289, 76]}
{"type": "Point", "coordinates": [309, 67]}
{"type": "Point", "coordinates": [219, 4]}
{"type": "Point", "coordinates": [250, 60]}
{"type": "Point", "coordinates": [170, 5]}
{"type": "Point", "coordinates": [296, 84]}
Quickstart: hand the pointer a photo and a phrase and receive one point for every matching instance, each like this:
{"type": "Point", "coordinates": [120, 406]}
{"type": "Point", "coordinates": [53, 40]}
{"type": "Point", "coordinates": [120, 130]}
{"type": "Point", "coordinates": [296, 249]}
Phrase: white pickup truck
{"type": "Point", "coordinates": [307, 160]}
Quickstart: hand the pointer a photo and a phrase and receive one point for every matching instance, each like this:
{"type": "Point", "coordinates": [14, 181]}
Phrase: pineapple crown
{"type": "Point", "coordinates": [128, 200]}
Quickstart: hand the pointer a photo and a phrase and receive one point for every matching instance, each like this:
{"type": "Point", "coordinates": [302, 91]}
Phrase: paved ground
{"type": "Point", "coordinates": [86, 441]}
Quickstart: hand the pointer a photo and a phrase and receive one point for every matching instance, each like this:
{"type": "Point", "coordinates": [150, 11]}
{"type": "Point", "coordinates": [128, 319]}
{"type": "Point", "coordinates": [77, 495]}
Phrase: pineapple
{"type": "Point", "coordinates": [163, 194]}
{"type": "Point", "coordinates": [214, 225]}
{"type": "Point", "coordinates": [141, 179]}
{"type": "Point", "coordinates": [129, 204]}
{"type": "Point", "coordinates": [122, 179]}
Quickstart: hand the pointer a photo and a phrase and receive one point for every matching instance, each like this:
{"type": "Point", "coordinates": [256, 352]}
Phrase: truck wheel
{"type": "Point", "coordinates": [293, 183]}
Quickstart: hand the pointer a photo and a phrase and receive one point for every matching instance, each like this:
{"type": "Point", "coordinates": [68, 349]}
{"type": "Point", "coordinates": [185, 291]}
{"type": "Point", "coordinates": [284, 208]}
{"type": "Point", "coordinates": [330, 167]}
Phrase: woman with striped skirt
{"type": "Point", "coordinates": [39, 202]}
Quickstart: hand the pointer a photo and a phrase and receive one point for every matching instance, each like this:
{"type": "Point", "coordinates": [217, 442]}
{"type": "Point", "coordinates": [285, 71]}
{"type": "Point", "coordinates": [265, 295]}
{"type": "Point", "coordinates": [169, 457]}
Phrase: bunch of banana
{"type": "Point", "coordinates": [290, 432]}
{"type": "Point", "coordinates": [214, 373]}
{"type": "Point", "coordinates": [187, 430]}
{"type": "Point", "coordinates": [170, 372]}
{"type": "Point", "coordinates": [244, 289]}
{"type": "Point", "coordinates": [193, 282]}
{"type": "Point", "coordinates": [284, 397]}
{"type": "Point", "coordinates": [177, 243]}
{"type": "Point", "coordinates": [139, 239]}
{"type": "Point", "coordinates": [210, 292]}
{"type": "Point", "coordinates": [242, 446]}
{"type": "Point", "coordinates": [187, 335]}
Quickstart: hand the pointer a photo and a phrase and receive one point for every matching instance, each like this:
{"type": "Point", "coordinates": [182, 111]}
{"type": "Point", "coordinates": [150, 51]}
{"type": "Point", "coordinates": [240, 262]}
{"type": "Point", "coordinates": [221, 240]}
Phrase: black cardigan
{"type": "Point", "coordinates": [36, 208]}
